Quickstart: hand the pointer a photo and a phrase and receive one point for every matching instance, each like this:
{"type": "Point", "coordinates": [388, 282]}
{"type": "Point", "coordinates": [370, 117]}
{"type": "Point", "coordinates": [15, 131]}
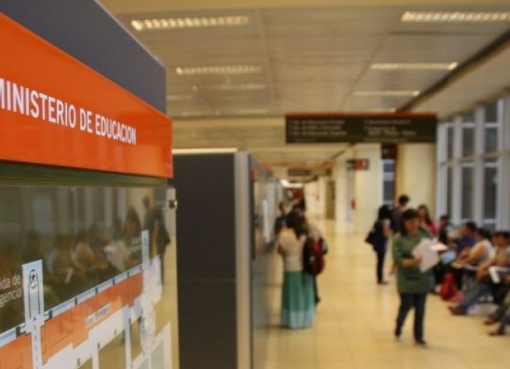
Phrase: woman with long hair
{"type": "Point", "coordinates": [298, 301]}
{"type": "Point", "coordinates": [426, 221]}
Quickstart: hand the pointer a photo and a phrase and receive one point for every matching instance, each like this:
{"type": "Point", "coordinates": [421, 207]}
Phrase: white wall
{"type": "Point", "coordinates": [368, 188]}
{"type": "Point", "coordinates": [342, 200]}
{"type": "Point", "coordinates": [416, 174]}
{"type": "Point", "coordinates": [316, 196]}
{"type": "Point", "coordinates": [367, 192]}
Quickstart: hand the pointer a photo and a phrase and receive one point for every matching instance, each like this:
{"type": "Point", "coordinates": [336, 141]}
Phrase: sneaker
{"type": "Point", "coordinates": [421, 342]}
{"type": "Point", "coordinates": [497, 333]}
{"type": "Point", "coordinates": [457, 310]}
{"type": "Point", "coordinates": [398, 332]}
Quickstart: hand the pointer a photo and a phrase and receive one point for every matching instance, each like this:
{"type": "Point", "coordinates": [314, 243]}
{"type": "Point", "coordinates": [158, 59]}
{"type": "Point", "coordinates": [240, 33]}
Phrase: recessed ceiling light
{"type": "Point", "coordinates": [384, 110]}
{"type": "Point", "coordinates": [247, 111]}
{"type": "Point", "coordinates": [385, 93]}
{"type": "Point", "coordinates": [190, 113]}
{"type": "Point", "coordinates": [156, 24]}
{"type": "Point", "coordinates": [223, 69]}
{"type": "Point", "coordinates": [455, 17]}
{"type": "Point", "coordinates": [237, 87]}
{"type": "Point", "coordinates": [413, 66]}
{"type": "Point", "coordinates": [178, 97]}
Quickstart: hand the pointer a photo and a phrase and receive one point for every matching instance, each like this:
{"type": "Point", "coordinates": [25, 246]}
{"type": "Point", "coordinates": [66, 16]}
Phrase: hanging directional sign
{"type": "Point", "coordinates": [360, 128]}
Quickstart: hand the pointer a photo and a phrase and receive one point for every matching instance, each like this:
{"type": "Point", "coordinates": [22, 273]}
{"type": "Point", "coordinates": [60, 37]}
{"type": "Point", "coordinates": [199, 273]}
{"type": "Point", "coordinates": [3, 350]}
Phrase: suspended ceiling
{"type": "Point", "coordinates": [307, 59]}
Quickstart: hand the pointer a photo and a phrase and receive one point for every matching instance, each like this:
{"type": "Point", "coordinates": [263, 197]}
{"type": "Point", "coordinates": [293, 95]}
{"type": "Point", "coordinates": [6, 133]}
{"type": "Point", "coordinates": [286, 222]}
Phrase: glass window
{"type": "Point", "coordinates": [468, 141]}
{"type": "Point", "coordinates": [40, 223]}
{"type": "Point", "coordinates": [491, 226]}
{"type": "Point", "coordinates": [467, 192]}
{"type": "Point", "coordinates": [389, 166]}
{"type": "Point", "coordinates": [491, 139]}
{"type": "Point", "coordinates": [449, 189]}
{"type": "Point", "coordinates": [491, 112]}
{"type": "Point", "coordinates": [388, 182]}
{"type": "Point", "coordinates": [450, 141]}
{"type": "Point", "coordinates": [468, 117]}
{"type": "Point", "coordinates": [388, 193]}
{"type": "Point", "coordinates": [490, 190]}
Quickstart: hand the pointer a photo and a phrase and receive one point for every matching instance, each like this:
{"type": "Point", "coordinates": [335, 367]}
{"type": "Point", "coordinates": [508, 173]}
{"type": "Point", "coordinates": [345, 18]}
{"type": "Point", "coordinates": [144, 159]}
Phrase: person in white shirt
{"type": "Point", "coordinates": [298, 305]}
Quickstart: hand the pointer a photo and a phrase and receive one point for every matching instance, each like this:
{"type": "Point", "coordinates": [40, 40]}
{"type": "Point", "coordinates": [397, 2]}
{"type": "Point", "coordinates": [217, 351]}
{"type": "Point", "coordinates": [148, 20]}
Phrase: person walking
{"type": "Point", "coordinates": [379, 236]}
{"type": "Point", "coordinates": [396, 214]}
{"type": "Point", "coordinates": [298, 301]}
{"type": "Point", "coordinates": [413, 284]}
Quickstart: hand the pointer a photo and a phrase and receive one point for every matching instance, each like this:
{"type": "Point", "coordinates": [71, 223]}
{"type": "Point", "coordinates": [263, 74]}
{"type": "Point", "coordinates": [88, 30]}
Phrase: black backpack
{"type": "Point", "coordinates": [375, 236]}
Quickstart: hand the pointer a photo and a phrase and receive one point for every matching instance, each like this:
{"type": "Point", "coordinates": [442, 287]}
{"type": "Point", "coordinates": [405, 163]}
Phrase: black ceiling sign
{"type": "Point", "coordinates": [299, 172]}
{"type": "Point", "coordinates": [361, 128]}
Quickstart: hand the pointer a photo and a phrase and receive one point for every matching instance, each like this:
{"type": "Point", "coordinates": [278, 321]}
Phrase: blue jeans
{"type": "Point", "coordinates": [409, 301]}
{"type": "Point", "coordinates": [474, 294]}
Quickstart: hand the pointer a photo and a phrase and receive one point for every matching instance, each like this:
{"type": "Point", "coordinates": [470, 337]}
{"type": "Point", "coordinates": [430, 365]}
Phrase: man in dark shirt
{"type": "Point", "coordinates": [396, 214]}
{"type": "Point", "coordinates": [468, 237]}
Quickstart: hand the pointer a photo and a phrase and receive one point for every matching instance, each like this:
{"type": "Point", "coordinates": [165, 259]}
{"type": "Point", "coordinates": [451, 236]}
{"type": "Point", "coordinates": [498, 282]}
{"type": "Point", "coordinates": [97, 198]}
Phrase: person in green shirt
{"type": "Point", "coordinates": [413, 285]}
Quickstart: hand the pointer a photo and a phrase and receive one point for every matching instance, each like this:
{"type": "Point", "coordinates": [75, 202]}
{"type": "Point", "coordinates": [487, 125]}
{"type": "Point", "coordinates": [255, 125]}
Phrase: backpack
{"type": "Point", "coordinates": [448, 287]}
{"type": "Point", "coordinates": [375, 235]}
{"type": "Point", "coordinates": [313, 256]}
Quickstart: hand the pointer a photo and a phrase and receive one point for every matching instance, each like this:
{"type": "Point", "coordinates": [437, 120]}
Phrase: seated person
{"type": "Point", "coordinates": [445, 229]}
{"type": "Point", "coordinates": [484, 284]}
{"type": "Point", "coordinates": [481, 252]}
{"type": "Point", "coordinates": [467, 238]}
{"type": "Point", "coordinates": [446, 237]}
{"type": "Point", "coordinates": [71, 277]}
{"type": "Point", "coordinates": [502, 315]}
{"type": "Point", "coordinates": [462, 246]}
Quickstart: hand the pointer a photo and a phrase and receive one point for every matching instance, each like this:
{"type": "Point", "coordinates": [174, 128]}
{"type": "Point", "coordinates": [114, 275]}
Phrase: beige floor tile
{"type": "Point", "coordinates": [356, 317]}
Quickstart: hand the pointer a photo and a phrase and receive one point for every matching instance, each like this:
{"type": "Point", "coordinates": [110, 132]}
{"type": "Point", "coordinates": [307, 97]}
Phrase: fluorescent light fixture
{"type": "Point", "coordinates": [248, 111]}
{"type": "Point", "coordinates": [455, 16]}
{"type": "Point", "coordinates": [190, 113]}
{"type": "Point", "coordinates": [157, 24]}
{"type": "Point", "coordinates": [285, 183]}
{"type": "Point", "coordinates": [385, 93]}
{"type": "Point", "coordinates": [413, 66]}
{"type": "Point", "coordinates": [384, 110]}
{"type": "Point", "coordinates": [237, 87]}
{"type": "Point", "coordinates": [179, 97]}
{"type": "Point", "coordinates": [220, 69]}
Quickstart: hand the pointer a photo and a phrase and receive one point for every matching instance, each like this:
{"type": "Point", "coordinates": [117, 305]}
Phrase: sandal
{"type": "Point", "coordinates": [490, 321]}
{"type": "Point", "coordinates": [497, 333]}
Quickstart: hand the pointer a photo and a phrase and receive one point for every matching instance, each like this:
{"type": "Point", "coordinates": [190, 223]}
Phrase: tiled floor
{"type": "Point", "coordinates": [355, 321]}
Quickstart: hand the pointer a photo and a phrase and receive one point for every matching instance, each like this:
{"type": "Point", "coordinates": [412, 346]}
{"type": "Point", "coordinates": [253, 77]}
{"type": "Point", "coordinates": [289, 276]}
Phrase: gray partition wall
{"type": "Point", "coordinates": [217, 222]}
{"type": "Point", "coordinates": [87, 32]}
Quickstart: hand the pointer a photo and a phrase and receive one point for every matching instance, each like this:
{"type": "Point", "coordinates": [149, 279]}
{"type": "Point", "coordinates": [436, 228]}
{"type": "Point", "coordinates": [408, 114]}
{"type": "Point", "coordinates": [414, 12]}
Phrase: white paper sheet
{"type": "Point", "coordinates": [497, 272]}
{"type": "Point", "coordinates": [439, 247]}
{"type": "Point", "coordinates": [429, 257]}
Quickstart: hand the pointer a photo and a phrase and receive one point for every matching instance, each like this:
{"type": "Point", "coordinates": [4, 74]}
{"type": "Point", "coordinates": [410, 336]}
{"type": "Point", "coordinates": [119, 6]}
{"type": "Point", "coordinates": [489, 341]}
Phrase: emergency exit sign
{"type": "Point", "coordinates": [358, 164]}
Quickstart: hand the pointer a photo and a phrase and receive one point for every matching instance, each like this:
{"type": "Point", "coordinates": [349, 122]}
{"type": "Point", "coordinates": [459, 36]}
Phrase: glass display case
{"type": "Point", "coordinates": [87, 277]}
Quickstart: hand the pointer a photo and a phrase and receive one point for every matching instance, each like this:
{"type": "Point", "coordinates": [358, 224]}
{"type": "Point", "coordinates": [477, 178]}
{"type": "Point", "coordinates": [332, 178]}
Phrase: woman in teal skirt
{"type": "Point", "coordinates": [298, 301]}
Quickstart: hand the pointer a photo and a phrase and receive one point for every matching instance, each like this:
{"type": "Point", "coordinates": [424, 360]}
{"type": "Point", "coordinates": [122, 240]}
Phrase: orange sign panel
{"type": "Point", "coordinates": [54, 110]}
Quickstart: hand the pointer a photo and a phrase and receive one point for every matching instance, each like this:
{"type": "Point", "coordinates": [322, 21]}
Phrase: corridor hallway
{"type": "Point", "coordinates": [355, 321]}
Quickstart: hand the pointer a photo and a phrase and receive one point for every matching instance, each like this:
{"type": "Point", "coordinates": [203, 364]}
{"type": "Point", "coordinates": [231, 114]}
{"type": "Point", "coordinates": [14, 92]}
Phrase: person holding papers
{"type": "Point", "coordinates": [413, 281]}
